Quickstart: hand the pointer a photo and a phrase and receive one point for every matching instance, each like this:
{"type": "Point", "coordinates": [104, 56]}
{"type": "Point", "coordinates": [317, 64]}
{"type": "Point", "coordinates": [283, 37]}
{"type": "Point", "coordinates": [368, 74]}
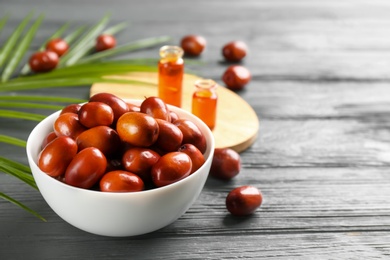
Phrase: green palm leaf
{"type": "Point", "coordinates": [11, 140]}
{"type": "Point", "coordinates": [30, 105]}
{"type": "Point", "coordinates": [114, 29]}
{"type": "Point", "coordinates": [89, 47]}
{"type": "Point", "coordinates": [71, 37]}
{"type": "Point", "coordinates": [3, 21]}
{"type": "Point", "coordinates": [91, 70]}
{"type": "Point", "coordinates": [42, 99]}
{"type": "Point", "coordinates": [64, 82]}
{"type": "Point", "coordinates": [11, 42]}
{"type": "Point", "coordinates": [20, 50]}
{"type": "Point", "coordinates": [56, 34]}
{"type": "Point", "coordinates": [17, 203]}
{"type": "Point", "coordinates": [141, 44]}
{"type": "Point", "coordinates": [81, 47]}
{"type": "Point", "coordinates": [17, 170]}
{"type": "Point", "coordinates": [21, 115]}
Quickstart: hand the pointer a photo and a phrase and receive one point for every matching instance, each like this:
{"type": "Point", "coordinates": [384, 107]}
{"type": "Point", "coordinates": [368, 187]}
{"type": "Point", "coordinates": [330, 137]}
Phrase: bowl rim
{"type": "Point", "coordinates": [209, 151]}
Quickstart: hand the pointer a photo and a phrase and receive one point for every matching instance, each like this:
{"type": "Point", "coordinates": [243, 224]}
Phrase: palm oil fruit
{"type": "Point", "coordinates": [226, 164]}
{"type": "Point", "coordinates": [105, 42]}
{"type": "Point", "coordinates": [43, 61]}
{"type": "Point", "coordinates": [193, 45]}
{"type": "Point", "coordinates": [236, 77]}
{"type": "Point", "coordinates": [244, 200]}
{"type": "Point", "coordinates": [234, 51]}
{"type": "Point", "coordinates": [57, 45]}
{"type": "Point", "coordinates": [137, 129]}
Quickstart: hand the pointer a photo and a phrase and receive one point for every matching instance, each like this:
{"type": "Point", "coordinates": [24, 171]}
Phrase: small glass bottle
{"type": "Point", "coordinates": [204, 101]}
{"type": "Point", "coordinates": [170, 75]}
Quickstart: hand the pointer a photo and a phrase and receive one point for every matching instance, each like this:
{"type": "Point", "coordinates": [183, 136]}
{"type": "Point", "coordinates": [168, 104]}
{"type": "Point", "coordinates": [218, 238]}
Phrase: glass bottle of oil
{"type": "Point", "coordinates": [170, 75]}
{"type": "Point", "coordinates": [204, 101]}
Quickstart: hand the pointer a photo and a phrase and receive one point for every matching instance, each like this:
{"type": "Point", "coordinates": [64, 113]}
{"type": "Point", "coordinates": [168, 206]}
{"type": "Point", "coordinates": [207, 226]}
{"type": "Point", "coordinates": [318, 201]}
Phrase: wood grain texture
{"type": "Point", "coordinates": [345, 214]}
{"type": "Point", "coordinates": [321, 90]}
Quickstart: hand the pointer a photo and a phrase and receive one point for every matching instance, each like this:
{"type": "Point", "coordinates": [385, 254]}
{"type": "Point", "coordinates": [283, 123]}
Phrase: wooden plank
{"type": "Point", "coordinates": [319, 143]}
{"type": "Point", "coordinates": [330, 211]}
{"type": "Point", "coordinates": [296, 200]}
{"type": "Point", "coordinates": [299, 246]}
{"type": "Point", "coordinates": [369, 102]}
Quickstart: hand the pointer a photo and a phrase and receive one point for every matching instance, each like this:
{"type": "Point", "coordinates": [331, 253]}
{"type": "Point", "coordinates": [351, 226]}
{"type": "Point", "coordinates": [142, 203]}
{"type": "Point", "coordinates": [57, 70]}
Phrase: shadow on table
{"type": "Point", "coordinates": [231, 221]}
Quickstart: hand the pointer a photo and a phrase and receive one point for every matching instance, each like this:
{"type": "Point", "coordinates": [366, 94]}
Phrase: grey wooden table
{"type": "Point", "coordinates": [321, 75]}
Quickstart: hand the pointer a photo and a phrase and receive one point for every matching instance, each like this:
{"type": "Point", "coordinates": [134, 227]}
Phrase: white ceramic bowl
{"type": "Point", "coordinates": [119, 214]}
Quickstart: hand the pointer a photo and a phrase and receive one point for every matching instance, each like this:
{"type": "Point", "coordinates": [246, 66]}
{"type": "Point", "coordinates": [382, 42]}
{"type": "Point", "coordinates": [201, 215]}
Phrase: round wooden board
{"type": "Point", "coordinates": [237, 123]}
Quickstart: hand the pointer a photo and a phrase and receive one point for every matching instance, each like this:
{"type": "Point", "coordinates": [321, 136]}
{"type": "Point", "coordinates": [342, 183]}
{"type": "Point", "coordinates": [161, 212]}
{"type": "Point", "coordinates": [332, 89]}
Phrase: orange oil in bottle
{"type": "Point", "coordinates": [204, 102]}
{"type": "Point", "coordinates": [170, 75]}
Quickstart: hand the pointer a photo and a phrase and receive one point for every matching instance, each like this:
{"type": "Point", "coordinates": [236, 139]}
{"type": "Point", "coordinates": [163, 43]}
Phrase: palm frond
{"type": "Point", "coordinates": [29, 105]}
{"type": "Point", "coordinates": [56, 34]}
{"type": "Point", "coordinates": [115, 29]}
{"type": "Point", "coordinates": [92, 70]}
{"type": "Point", "coordinates": [65, 82]}
{"type": "Point", "coordinates": [17, 170]}
{"type": "Point", "coordinates": [73, 36]}
{"type": "Point", "coordinates": [12, 140]}
{"type": "Point", "coordinates": [3, 21]}
{"type": "Point", "coordinates": [21, 205]}
{"type": "Point", "coordinates": [20, 50]}
{"type": "Point", "coordinates": [42, 99]}
{"type": "Point", "coordinates": [81, 47]}
{"type": "Point", "coordinates": [141, 44]}
{"type": "Point", "coordinates": [11, 41]}
{"type": "Point", "coordinates": [21, 115]}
